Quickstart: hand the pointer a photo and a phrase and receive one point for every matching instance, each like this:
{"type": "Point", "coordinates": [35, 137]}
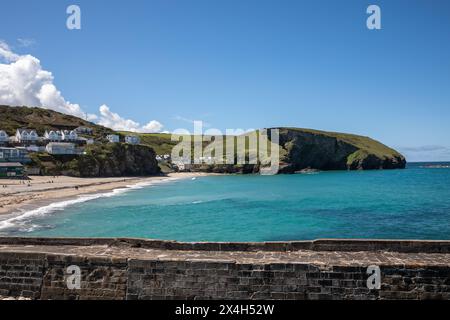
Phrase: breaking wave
{"type": "Point", "coordinates": [21, 219]}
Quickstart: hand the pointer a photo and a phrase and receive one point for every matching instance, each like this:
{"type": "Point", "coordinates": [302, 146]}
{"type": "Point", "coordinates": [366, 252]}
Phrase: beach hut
{"type": "Point", "coordinates": [11, 170]}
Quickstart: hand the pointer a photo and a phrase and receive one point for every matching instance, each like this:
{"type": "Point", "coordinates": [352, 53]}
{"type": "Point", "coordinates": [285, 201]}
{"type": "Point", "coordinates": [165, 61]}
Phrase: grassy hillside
{"type": "Point", "coordinates": [160, 142]}
{"type": "Point", "coordinates": [299, 148]}
{"type": "Point", "coordinates": [361, 142]}
{"type": "Point", "coordinates": [365, 146]}
{"type": "Point", "coordinates": [41, 119]}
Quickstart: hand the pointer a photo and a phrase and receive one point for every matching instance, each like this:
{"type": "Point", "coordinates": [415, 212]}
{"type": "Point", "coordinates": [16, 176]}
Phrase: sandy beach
{"type": "Point", "coordinates": [17, 194]}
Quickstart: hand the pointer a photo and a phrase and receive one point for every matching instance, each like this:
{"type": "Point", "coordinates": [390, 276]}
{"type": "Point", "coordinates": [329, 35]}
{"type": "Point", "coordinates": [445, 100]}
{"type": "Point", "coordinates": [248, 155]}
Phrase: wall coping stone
{"type": "Point", "coordinates": [407, 246]}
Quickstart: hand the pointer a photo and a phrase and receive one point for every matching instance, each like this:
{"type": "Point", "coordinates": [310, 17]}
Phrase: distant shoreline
{"type": "Point", "coordinates": [44, 190]}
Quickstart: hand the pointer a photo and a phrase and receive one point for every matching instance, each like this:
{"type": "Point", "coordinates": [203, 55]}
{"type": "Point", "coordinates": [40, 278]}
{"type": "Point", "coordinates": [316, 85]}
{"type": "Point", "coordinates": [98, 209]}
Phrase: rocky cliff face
{"type": "Point", "coordinates": [304, 148]}
{"type": "Point", "coordinates": [308, 149]}
{"type": "Point", "coordinates": [103, 160]}
{"type": "Point", "coordinates": [116, 159]}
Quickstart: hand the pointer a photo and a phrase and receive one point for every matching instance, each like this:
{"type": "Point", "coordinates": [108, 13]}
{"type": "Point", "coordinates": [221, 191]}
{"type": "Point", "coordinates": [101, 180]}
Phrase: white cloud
{"type": "Point", "coordinates": [116, 122]}
{"type": "Point", "coordinates": [153, 126]}
{"type": "Point", "coordinates": [23, 81]}
{"type": "Point", "coordinates": [6, 52]}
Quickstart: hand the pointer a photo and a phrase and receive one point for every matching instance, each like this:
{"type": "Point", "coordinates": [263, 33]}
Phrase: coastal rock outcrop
{"type": "Point", "coordinates": [118, 159]}
{"type": "Point", "coordinates": [313, 149]}
{"type": "Point", "coordinates": [102, 160]}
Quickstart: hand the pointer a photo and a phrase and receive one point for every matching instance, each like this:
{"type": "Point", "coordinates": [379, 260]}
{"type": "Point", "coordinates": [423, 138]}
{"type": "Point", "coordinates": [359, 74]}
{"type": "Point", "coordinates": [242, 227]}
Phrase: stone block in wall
{"type": "Point", "coordinates": [21, 274]}
{"type": "Point", "coordinates": [101, 278]}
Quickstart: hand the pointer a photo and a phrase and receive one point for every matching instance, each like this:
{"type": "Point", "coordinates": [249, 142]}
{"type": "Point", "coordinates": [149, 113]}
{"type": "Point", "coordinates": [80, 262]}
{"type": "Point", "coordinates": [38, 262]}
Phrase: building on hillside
{"type": "Point", "coordinates": [113, 138]}
{"type": "Point", "coordinates": [14, 155]}
{"type": "Point", "coordinates": [207, 160]}
{"type": "Point", "coordinates": [4, 138]}
{"type": "Point", "coordinates": [161, 157]}
{"type": "Point", "coordinates": [132, 139]}
{"type": "Point", "coordinates": [182, 165]}
{"type": "Point", "coordinates": [11, 170]}
{"type": "Point", "coordinates": [84, 130]}
{"type": "Point", "coordinates": [34, 148]}
{"type": "Point", "coordinates": [26, 136]}
{"type": "Point", "coordinates": [60, 148]}
{"type": "Point", "coordinates": [57, 136]}
{"type": "Point", "coordinates": [69, 135]}
{"type": "Point", "coordinates": [53, 136]}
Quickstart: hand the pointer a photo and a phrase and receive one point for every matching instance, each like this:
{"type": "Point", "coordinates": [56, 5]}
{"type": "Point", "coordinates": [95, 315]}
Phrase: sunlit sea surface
{"type": "Point", "coordinates": [413, 203]}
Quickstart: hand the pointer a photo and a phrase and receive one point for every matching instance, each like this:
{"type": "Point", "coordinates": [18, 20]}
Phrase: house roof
{"type": "Point", "coordinates": [61, 144]}
{"type": "Point", "coordinates": [10, 164]}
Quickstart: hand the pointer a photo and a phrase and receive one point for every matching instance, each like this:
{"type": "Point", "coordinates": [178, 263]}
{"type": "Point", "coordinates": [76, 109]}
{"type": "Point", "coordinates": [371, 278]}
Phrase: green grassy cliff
{"type": "Point", "coordinates": [308, 148]}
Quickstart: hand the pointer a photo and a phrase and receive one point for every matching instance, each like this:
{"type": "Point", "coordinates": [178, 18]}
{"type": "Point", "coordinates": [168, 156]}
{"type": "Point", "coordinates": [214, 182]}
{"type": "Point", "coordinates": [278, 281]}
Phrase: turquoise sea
{"type": "Point", "coordinates": [413, 203]}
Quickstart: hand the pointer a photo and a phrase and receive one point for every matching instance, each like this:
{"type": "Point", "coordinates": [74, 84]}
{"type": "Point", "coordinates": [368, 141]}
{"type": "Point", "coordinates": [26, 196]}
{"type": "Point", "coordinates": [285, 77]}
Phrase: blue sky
{"type": "Point", "coordinates": [251, 64]}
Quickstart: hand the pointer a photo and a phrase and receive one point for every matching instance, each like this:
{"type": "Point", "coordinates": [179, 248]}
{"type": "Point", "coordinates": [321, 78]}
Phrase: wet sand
{"type": "Point", "coordinates": [38, 190]}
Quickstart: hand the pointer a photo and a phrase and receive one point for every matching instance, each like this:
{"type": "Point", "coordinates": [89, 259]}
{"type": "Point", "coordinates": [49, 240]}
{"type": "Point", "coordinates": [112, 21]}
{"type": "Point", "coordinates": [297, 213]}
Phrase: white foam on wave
{"type": "Point", "coordinates": [20, 219]}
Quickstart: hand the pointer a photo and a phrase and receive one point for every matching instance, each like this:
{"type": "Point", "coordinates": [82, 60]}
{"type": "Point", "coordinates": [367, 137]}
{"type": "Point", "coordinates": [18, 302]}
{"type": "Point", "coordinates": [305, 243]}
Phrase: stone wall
{"type": "Point", "coordinates": [215, 280]}
{"type": "Point", "coordinates": [128, 269]}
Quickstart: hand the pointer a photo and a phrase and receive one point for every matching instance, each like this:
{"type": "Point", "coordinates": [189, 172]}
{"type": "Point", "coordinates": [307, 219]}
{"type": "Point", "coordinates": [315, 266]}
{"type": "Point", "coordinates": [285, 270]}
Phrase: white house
{"type": "Point", "coordinates": [53, 135]}
{"type": "Point", "coordinates": [182, 166]}
{"type": "Point", "coordinates": [26, 136]}
{"type": "Point", "coordinates": [132, 139]}
{"type": "Point", "coordinates": [33, 148]}
{"type": "Point", "coordinates": [61, 148]}
{"type": "Point", "coordinates": [14, 155]}
{"type": "Point", "coordinates": [57, 136]}
{"type": "Point", "coordinates": [86, 140]}
{"type": "Point", "coordinates": [161, 157]}
{"type": "Point", "coordinates": [113, 138]}
{"type": "Point", "coordinates": [4, 138]}
{"type": "Point", "coordinates": [83, 130]}
{"type": "Point", "coordinates": [69, 135]}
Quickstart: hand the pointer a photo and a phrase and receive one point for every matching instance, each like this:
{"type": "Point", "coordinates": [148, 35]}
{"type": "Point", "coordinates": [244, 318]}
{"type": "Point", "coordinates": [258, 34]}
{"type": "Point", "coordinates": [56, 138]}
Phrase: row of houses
{"type": "Point", "coordinates": [14, 155]}
{"type": "Point", "coordinates": [21, 154]}
{"type": "Point", "coordinates": [14, 150]}
{"type": "Point", "coordinates": [27, 136]}
{"type": "Point", "coordinates": [131, 139]}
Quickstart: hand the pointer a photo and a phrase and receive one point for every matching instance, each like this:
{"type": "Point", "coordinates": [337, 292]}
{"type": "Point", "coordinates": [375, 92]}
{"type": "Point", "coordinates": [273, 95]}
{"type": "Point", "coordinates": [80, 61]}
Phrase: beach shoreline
{"type": "Point", "coordinates": [38, 191]}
